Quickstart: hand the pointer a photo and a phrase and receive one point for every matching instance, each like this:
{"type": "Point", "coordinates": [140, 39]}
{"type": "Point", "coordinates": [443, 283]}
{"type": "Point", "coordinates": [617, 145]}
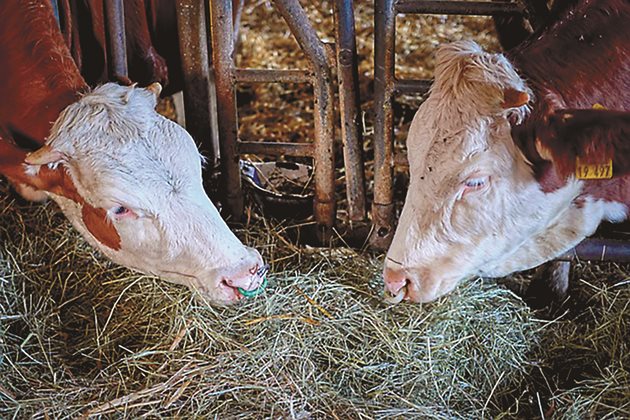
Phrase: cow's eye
{"type": "Point", "coordinates": [476, 182]}
{"type": "Point", "coordinates": [120, 210]}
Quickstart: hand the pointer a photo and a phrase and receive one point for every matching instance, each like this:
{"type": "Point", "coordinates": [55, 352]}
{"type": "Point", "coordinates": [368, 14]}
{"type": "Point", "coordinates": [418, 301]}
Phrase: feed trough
{"type": "Point", "coordinates": [281, 189]}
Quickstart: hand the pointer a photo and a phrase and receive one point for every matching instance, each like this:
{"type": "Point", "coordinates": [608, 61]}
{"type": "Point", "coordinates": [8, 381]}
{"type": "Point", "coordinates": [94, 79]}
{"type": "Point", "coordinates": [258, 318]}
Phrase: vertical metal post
{"type": "Point", "coordinates": [384, 44]}
{"type": "Point", "coordinates": [115, 15]}
{"type": "Point", "coordinates": [193, 46]}
{"type": "Point", "coordinates": [349, 104]}
{"type": "Point", "coordinates": [222, 29]}
{"type": "Point", "coordinates": [324, 159]}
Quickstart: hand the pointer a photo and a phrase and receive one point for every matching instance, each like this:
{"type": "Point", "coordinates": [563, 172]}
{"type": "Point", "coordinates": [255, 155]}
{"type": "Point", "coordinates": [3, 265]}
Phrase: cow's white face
{"type": "Point", "coordinates": [140, 197]}
{"type": "Point", "coordinates": [473, 206]}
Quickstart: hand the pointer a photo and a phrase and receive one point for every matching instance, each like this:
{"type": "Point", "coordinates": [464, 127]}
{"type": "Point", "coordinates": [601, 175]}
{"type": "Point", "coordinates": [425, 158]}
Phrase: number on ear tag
{"type": "Point", "coordinates": [593, 171]}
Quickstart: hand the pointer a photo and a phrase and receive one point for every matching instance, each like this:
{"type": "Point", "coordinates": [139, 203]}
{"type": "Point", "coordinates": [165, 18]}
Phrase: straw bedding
{"type": "Point", "coordinates": [80, 336]}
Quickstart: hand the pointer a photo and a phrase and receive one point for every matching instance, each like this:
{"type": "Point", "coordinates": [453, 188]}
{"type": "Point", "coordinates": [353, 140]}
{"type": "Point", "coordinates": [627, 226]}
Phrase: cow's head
{"type": "Point", "coordinates": [473, 206]}
{"type": "Point", "coordinates": [130, 181]}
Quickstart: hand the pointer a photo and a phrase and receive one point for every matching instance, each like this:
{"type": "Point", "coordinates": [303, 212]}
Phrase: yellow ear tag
{"type": "Point", "coordinates": [597, 170]}
{"type": "Point", "coordinates": [593, 171]}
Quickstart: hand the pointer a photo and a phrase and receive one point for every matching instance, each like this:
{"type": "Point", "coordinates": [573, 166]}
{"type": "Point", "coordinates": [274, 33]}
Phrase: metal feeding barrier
{"type": "Point", "coordinates": [207, 44]}
{"type": "Point", "coordinates": [201, 84]}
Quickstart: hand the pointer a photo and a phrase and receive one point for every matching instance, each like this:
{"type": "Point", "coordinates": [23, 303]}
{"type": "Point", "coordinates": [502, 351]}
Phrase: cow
{"type": "Point", "coordinates": [127, 178]}
{"type": "Point", "coordinates": [496, 150]}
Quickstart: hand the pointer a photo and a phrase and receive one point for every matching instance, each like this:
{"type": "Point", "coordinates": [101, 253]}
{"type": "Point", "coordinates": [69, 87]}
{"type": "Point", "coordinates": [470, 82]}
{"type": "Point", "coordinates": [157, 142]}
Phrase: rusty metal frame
{"type": "Point", "coordinates": [387, 86]}
{"type": "Point", "coordinates": [199, 99]}
{"type": "Point", "coordinates": [350, 109]}
{"type": "Point", "coordinates": [320, 75]}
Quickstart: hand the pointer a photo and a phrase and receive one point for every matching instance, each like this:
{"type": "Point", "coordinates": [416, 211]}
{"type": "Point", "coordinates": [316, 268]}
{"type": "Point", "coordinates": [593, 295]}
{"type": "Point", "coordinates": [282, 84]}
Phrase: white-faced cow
{"type": "Point", "coordinates": [493, 153]}
{"type": "Point", "coordinates": [127, 178]}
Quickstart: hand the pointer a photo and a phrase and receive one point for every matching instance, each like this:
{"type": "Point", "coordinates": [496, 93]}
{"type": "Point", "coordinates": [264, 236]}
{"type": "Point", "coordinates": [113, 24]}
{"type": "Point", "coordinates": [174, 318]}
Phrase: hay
{"type": "Point", "coordinates": [81, 336]}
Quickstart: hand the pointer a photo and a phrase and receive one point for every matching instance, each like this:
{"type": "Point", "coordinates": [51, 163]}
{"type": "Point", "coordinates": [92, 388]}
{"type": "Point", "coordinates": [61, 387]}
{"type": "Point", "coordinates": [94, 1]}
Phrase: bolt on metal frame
{"type": "Point", "coordinates": [387, 86]}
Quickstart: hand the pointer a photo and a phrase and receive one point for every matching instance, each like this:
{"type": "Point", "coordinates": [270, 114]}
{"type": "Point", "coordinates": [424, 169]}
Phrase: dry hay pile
{"type": "Point", "coordinates": [81, 336]}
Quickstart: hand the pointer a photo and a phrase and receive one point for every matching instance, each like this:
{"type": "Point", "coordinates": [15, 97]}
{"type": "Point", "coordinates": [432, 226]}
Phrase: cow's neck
{"type": "Point", "coordinates": [39, 78]}
{"type": "Point", "coordinates": [616, 189]}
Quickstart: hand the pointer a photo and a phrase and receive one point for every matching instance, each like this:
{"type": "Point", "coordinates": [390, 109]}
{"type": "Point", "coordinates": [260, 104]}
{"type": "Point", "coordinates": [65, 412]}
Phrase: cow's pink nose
{"type": "Point", "coordinates": [395, 280]}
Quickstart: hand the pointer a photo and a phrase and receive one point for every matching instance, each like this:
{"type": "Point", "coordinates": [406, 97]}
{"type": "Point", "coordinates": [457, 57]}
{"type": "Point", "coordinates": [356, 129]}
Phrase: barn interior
{"type": "Point", "coordinates": [81, 336]}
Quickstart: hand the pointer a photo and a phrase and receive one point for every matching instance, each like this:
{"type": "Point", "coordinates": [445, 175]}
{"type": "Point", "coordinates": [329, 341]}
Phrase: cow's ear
{"type": "Point", "coordinates": [45, 155]}
{"type": "Point", "coordinates": [514, 98]}
{"type": "Point", "coordinates": [595, 137]}
{"type": "Point", "coordinates": [156, 89]}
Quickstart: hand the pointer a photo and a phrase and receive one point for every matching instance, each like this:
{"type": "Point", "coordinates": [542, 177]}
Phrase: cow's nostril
{"type": "Point", "coordinates": [395, 293]}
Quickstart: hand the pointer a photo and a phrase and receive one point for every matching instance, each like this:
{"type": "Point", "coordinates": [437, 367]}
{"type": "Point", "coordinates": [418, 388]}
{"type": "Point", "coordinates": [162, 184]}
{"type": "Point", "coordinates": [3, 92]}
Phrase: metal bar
{"type": "Point", "coordinates": [273, 76]}
{"type": "Point", "coordinates": [115, 15]}
{"type": "Point", "coordinates": [595, 249]}
{"type": "Point", "coordinates": [55, 6]}
{"type": "Point", "coordinates": [193, 47]}
{"type": "Point", "coordinates": [445, 7]}
{"type": "Point", "coordinates": [324, 159]}
{"type": "Point", "coordinates": [384, 43]}
{"type": "Point", "coordinates": [237, 12]}
{"type": "Point", "coordinates": [223, 61]}
{"type": "Point", "coordinates": [537, 12]}
{"type": "Point", "coordinates": [411, 86]}
{"type": "Point", "coordinates": [349, 105]}
{"type": "Point", "coordinates": [276, 148]}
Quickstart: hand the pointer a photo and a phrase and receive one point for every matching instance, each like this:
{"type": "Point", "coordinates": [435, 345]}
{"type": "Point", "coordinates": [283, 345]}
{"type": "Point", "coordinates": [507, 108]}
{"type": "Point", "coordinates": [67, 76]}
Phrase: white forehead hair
{"type": "Point", "coordinates": [473, 80]}
{"type": "Point", "coordinates": [120, 151]}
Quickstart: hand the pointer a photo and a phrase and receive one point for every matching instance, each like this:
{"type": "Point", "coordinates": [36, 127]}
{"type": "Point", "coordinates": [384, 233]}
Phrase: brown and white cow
{"type": "Point", "coordinates": [493, 151]}
{"type": "Point", "coordinates": [127, 178]}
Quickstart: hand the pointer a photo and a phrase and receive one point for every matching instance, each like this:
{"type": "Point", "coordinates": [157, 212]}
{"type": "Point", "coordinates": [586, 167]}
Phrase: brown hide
{"type": "Point", "coordinates": [39, 79]}
{"type": "Point", "coordinates": [580, 60]}
{"type": "Point", "coordinates": [593, 136]}
{"type": "Point", "coordinates": [145, 64]}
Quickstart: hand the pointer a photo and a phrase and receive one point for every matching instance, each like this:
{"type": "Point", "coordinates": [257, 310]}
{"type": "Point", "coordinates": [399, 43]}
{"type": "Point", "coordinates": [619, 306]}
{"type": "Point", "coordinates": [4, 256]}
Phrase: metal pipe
{"type": "Point", "coordinates": [349, 105]}
{"type": "Point", "coordinates": [306, 36]}
{"type": "Point", "coordinates": [537, 12]}
{"type": "Point", "coordinates": [446, 7]}
{"type": "Point", "coordinates": [193, 45]}
{"type": "Point", "coordinates": [115, 15]}
{"type": "Point", "coordinates": [596, 249]}
{"type": "Point", "coordinates": [223, 61]}
{"type": "Point", "coordinates": [273, 76]}
{"type": "Point", "coordinates": [55, 6]}
{"type": "Point", "coordinates": [413, 86]}
{"type": "Point", "coordinates": [384, 44]}
{"type": "Point", "coordinates": [237, 13]}
{"type": "Point", "coordinates": [276, 148]}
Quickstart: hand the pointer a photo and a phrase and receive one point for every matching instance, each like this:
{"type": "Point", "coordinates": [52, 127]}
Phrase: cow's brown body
{"type": "Point", "coordinates": [39, 77]}
{"type": "Point", "coordinates": [579, 62]}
